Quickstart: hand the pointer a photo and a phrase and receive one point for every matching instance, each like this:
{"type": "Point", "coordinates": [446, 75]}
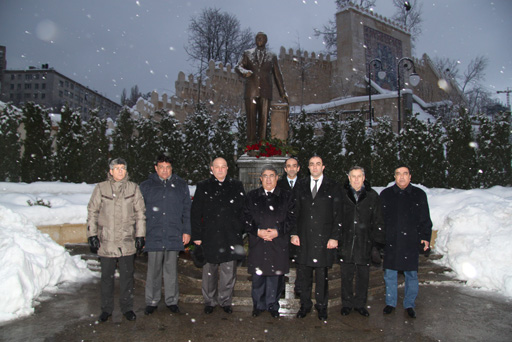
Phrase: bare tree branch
{"type": "Point", "coordinates": [409, 16]}
{"type": "Point", "coordinates": [216, 35]}
{"type": "Point", "coordinates": [475, 72]}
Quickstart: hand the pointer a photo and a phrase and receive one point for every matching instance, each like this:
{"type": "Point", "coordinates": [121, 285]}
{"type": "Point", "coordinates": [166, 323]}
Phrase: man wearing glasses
{"type": "Point", "coordinates": [116, 226]}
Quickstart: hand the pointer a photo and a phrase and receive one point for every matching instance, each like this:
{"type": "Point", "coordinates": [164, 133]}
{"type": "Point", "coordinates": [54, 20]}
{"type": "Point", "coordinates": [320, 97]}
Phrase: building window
{"type": "Point", "coordinates": [11, 96]}
{"type": "Point", "coordinates": [72, 86]}
{"type": "Point", "coordinates": [61, 83]}
{"type": "Point", "coordinates": [43, 95]}
{"type": "Point", "coordinates": [19, 76]}
{"type": "Point", "coordinates": [19, 86]}
{"type": "Point", "coordinates": [35, 95]}
{"type": "Point", "coordinates": [36, 86]}
{"type": "Point", "coordinates": [36, 76]}
{"type": "Point", "coordinates": [61, 93]}
{"type": "Point", "coordinates": [28, 76]}
{"type": "Point", "coordinates": [43, 85]}
{"type": "Point", "coordinates": [67, 84]}
{"type": "Point", "coordinates": [12, 86]}
{"type": "Point", "coordinates": [28, 85]}
{"type": "Point", "coordinates": [13, 77]}
{"type": "Point", "coordinates": [27, 95]}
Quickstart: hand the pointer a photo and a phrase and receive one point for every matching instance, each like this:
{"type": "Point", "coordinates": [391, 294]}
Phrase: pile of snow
{"type": "Point", "coordinates": [474, 235]}
{"type": "Point", "coordinates": [30, 263]}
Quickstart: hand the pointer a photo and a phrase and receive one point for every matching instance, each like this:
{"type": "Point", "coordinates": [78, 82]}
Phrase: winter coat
{"type": "Point", "coordinates": [363, 225]}
{"type": "Point", "coordinates": [283, 183]}
{"type": "Point", "coordinates": [217, 218]}
{"type": "Point", "coordinates": [167, 212]}
{"type": "Point", "coordinates": [259, 84]}
{"type": "Point", "coordinates": [318, 220]}
{"type": "Point", "coordinates": [275, 211]}
{"type": "Point", "coordinates": [116, 216]}
{"type": "Point", "coordinates": [407, 222]}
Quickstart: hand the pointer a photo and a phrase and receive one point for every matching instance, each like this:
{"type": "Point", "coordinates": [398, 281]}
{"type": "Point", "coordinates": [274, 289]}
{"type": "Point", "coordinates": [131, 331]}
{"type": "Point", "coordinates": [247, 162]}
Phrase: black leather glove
{"type": "Point", "coordinates": [94, 243]}
{"type": "Point", "coordinates": [139, 244]}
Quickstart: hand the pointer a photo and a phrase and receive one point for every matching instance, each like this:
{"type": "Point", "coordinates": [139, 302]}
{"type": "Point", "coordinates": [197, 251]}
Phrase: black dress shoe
{"type": "Point", "coordinates": [208, 309]}
{"type": "Point", "coordinates": [303, 312]}
{"type": "Point", "coordinates": [345, 310]}
{"type": "Point", "coordinates": [322, 314]}
{"type": "Point", "coordinates": [130, 315]}
{"type": "Point", "coordinates": [256, 312]}
{"type": "Point", "coordinates": [174, 308]}
{"type": "Point", "coordinates": [274, 313]}
{"type": "Point", "coordinates": [388, 309]}
{"type": "Point", "coordinates": [104, 316]}
{"type": "Point", "coordinates": [149, 310]}
{"type": "Point", "coordinates": [411, 312]}
{"type": "Point", "coordinates": [227, 309]}
{"type": "Point", "coordinates": [362, 311]}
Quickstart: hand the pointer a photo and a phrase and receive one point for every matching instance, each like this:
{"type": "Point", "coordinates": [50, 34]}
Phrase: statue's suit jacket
{"type": "Point", "coordinates": [259, 84]}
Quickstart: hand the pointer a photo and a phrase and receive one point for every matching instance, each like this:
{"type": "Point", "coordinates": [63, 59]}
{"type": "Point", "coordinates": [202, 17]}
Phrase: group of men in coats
{"type": "Point", "coordinates": [327, 222]}
{"type": "Point", "coordinates": [313, 219]}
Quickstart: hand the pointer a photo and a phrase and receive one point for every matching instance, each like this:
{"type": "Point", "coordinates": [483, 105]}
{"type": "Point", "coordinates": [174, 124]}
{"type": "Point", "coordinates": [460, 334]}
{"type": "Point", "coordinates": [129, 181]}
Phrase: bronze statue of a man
{"type": "Point", "coordinates": [257, 66]}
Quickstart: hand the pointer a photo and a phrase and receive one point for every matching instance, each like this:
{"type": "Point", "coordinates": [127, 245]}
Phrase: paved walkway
{"type": "Point", "coordinates": [446, 310]}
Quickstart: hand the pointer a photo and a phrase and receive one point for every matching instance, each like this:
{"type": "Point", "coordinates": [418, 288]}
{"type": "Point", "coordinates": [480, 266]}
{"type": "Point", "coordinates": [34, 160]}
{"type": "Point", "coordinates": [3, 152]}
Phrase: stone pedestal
{"type": "Point", "coordinates": [250, 169]}
{"type": "Point", "coordinates": [279, 121]}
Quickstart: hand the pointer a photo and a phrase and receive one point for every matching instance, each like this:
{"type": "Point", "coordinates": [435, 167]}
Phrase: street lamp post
{"type": "Point", "coordinates": [414, 79]}
{"type": "Point", "coordinates": [381, 74]}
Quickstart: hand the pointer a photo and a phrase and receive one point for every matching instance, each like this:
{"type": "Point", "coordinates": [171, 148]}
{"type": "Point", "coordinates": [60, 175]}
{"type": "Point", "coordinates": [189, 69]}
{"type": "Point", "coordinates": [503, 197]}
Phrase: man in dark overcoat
{"type": "Point", "coordinates": [408, 226]}
{"type": "Point", "coordinates": [259, 67]}
{"type": "Point", "coordinates": [217, 217]}
{"type": "Point", "coordinates": [318, 209]}
{"type": "Point", "coordinates": [167, 200]}
{"type": "Point", "coordinates": [292, 168]}
{"type": "Point", "coordinates": [362, 228]}
{"type": "Point", "coordinates": [270, 215]}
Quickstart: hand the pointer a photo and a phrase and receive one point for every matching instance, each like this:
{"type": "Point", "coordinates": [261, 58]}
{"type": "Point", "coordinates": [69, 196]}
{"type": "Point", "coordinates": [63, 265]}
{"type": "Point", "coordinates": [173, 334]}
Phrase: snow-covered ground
{"type": "Point", "coordinates": [474, 236]}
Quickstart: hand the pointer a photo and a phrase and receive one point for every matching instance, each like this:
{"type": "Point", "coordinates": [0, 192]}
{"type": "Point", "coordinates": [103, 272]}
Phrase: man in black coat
{"type": "Point", "coordinates": [270, 216]}
{"type": "Point", "coordinates": [408, 226]}
{"type": "Point", "coordinates": [362, 228]}
{"type": "Point", "coordinates": [318, 209]}
{"type": "Point", "coordinates": [218, 224]}
{"type": "Point", "coordinates": [291, 167]}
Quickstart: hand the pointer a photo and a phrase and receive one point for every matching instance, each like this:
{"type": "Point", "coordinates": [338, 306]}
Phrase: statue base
{"type": "Point", "coordinates": [279, 125]}
{"type": "Point", "coordinates": [250, 169]}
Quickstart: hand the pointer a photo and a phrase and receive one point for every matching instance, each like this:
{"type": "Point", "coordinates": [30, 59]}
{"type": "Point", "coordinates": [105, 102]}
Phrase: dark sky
{"type": "Point", "coordinates": [115, 44]}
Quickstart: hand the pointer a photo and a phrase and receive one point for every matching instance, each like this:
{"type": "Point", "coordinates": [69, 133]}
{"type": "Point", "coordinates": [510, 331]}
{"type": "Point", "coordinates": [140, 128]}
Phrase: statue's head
{"type": "Point", "coordinates": [261, 39]}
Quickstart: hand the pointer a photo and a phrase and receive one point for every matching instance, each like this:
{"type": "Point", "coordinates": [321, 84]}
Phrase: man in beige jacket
{"type": "Point", "coordinates": [116, 226]}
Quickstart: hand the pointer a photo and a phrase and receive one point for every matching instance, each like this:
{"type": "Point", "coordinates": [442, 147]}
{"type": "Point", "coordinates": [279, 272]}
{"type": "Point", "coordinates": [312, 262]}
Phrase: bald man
{"type": "Point", "coordinates": [217, 225]}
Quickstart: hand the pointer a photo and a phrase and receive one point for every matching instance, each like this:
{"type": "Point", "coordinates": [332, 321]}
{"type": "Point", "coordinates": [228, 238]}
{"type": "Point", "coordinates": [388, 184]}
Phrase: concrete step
{"type": "Point", "coordinates": [189, 278]}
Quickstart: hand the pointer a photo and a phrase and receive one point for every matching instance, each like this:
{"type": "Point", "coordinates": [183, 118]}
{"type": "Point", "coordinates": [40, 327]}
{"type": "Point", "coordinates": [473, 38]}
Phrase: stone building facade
{"type": "Point", "coordinates": [51, 89]}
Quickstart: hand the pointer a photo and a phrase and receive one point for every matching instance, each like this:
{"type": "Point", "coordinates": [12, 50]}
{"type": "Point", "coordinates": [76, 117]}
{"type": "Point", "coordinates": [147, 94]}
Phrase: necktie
{"type": "Point", "coordinates": [291, 184]}
{"type": "Point", "coordinates": [315, 189]}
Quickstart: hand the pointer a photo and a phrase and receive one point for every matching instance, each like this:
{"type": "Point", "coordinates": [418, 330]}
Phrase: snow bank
{"type": "Point", "coordinates": [30, 263]}
{"type": "Point", "coordinates": [475, 234]}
